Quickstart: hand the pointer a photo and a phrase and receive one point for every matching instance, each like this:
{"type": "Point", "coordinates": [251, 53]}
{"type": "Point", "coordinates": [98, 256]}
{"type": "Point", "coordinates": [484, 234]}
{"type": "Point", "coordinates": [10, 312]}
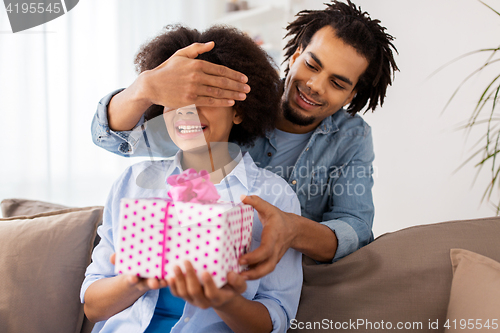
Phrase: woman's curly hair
{"type": "Point", "coordinates": [234, 50]}
{"type": "Point", "coordinates": [357, 29]}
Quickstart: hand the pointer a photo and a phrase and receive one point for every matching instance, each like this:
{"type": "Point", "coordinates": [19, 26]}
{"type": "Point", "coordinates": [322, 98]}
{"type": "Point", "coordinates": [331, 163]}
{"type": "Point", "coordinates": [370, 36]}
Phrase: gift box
{"type": "Point", "coordinates": [157, 234]}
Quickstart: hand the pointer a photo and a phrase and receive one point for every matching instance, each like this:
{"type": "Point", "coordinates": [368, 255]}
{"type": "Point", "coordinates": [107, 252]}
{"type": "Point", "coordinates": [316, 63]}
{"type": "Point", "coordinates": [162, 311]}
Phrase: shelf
{"type": "Point", "coordinates": [254, 14]}
{"type": "Point", "coordinates": [264, 21]}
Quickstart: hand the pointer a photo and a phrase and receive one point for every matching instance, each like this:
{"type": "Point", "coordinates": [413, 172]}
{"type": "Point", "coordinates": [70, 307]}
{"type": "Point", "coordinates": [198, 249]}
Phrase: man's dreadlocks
{"type": "Point", "coordinates": [358, 30]}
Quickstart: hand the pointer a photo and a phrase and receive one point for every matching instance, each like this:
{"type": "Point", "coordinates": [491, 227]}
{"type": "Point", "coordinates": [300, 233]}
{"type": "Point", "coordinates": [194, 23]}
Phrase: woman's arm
{"type": "Point", "coordinates": [239, 313]}
{"type": "Point", "coordinates": [104, 293]}
{"type": "Point", "coordinates": [243, 315]}
{"type": "Point", "coordinates": [106, 297]}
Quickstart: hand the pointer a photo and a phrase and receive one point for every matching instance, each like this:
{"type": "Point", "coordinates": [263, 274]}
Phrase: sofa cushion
{"type": "Point", "coordinates": [475, 293]}
{"type": "Point", "coordinates": [25, 207]}
{"type": "Point", "coordinates": [43, 259]}
{"type": "Point", "coordinates": [404, 276]}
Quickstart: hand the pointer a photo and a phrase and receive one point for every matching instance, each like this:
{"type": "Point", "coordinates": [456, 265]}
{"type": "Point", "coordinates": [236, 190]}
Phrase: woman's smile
{"type": "Point", "coordinates": [187, 129]}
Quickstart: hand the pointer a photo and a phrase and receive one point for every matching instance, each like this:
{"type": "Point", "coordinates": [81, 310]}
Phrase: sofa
{"type": "Point", "coordinates": [441, 277]}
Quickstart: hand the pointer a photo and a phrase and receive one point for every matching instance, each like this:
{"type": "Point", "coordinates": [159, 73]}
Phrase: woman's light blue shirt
{"type": "Point", "coordinates": [279, 291]}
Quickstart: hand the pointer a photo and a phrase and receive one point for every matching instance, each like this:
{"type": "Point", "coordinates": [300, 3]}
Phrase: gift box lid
{"type": "Point", "coordinates": [184, 214]}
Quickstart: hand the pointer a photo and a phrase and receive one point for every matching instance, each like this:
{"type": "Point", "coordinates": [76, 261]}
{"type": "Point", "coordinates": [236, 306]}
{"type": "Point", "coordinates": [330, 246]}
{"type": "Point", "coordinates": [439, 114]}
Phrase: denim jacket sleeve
{"type": "Point", "coordinates": [350, 214]}
{"type": "Point", "coordinates": [142, 140]}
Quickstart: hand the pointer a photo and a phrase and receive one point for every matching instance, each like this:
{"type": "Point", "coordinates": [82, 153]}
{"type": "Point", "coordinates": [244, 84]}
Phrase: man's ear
{"type": "Point", "coordinates": [351, 97]}
{"type": "Point", "coordinates": [295, 55]}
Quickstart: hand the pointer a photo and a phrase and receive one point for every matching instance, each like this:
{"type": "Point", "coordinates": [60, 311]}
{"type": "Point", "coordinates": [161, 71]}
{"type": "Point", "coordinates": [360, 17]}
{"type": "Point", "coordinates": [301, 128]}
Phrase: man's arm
{"type": "Point", "coordinates": [316, 240]}
{"type": "Point", "coordinates": [313, 239]}
{"type": "Point", "coordinates": [346, 225]}
{"type": "Point", "coordinates": [179, 81]}
{"type": "Point", "coordinates": [282, 231]}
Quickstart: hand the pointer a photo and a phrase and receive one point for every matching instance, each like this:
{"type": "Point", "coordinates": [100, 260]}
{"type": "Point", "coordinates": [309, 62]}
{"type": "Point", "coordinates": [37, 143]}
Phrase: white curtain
{"type": "Point", "coordinates": [51, 79]}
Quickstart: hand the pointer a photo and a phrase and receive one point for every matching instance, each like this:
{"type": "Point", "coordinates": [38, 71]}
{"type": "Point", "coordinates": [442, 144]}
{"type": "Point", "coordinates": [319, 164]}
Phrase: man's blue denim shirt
{"type": "Point", "coordinates": [333, 176]}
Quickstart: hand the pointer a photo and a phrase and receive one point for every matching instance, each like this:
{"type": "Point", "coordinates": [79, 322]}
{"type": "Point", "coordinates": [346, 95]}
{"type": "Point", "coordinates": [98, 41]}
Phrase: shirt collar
{"type": "Point", "coordinates": [175, 167]}
{"type": "Point", "coordinates": [239, 171]}
{"type": "Point", "coordinates": [329, 124]}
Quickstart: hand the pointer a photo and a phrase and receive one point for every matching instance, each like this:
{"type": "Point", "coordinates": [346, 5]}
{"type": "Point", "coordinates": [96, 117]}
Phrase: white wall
{"type": "Point", "coordinates": [416, 146]}
{"type": "Point", "coordinates": [51, 79]}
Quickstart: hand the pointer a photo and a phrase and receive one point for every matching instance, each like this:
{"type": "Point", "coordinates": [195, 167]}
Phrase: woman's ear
{"type": "Point", "coordinates": [237, 119]}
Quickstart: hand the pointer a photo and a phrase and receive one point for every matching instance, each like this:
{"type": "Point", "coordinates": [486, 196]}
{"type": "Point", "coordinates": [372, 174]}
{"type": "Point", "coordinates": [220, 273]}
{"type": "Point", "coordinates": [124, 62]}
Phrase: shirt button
{"type": "Point", "coordinates": [294, 182]}
{"type": "Point", "coordinates": [307, 148]}
{"type": "Point", "coordinates": [269, 154]}
{"type": "Point", "coordinates": [186, 319]}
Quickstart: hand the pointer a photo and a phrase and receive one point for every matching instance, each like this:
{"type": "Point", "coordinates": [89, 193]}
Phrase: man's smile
{"type": "Point", "coordinates": [305, 101]}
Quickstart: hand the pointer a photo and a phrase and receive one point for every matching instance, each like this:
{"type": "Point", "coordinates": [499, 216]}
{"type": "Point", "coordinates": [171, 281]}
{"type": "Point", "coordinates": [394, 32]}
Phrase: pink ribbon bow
{"type": "Point", "coordinates": [191, 186]}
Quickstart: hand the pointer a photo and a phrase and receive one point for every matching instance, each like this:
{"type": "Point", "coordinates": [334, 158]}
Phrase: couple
{"type": "Point", "coordinates": [336, 58]}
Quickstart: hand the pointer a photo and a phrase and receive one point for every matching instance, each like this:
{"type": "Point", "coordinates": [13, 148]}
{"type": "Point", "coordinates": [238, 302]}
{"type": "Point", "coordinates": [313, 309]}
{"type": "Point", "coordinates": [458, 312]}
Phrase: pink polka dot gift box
{"type": "Point", "coordinates": [155, 235]}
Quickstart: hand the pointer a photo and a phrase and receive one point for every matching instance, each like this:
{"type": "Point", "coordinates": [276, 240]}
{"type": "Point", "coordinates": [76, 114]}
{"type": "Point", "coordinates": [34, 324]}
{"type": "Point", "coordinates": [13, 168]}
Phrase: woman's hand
{"type": "Point", "coordinates": [141, 284]}
{"type": "Point", "coordinates": [108, 296]}
{"type": "Point", "coordinates": [188, 287]}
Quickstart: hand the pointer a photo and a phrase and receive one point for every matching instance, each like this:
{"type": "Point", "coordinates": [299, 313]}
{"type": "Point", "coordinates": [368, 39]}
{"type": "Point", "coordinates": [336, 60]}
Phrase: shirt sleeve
{"type": "Point", "coordinates": [104, 137]}
{"type": "Point", "coordinates": [280, 290]}
{"type": "Point", "coordinates": [351, 214]}
{"type": "Point", "coordinates": [101, 267]}
{"type": "Point", "coordinates": [147, 138]}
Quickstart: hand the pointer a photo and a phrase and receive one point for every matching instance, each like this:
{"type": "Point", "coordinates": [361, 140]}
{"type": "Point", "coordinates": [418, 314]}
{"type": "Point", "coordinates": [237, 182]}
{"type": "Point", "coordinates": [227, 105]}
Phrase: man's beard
{"type": "Point", "coordinates": [294, 117]}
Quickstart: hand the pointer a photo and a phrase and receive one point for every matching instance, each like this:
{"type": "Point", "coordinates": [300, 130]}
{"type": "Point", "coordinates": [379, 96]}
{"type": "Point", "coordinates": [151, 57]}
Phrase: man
{"type": "Point", "coordinates": [338, 57]}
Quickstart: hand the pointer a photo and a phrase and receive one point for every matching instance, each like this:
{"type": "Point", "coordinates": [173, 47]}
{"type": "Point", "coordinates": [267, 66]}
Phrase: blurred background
{"type": "Point", "coordinates": [53, 76]}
